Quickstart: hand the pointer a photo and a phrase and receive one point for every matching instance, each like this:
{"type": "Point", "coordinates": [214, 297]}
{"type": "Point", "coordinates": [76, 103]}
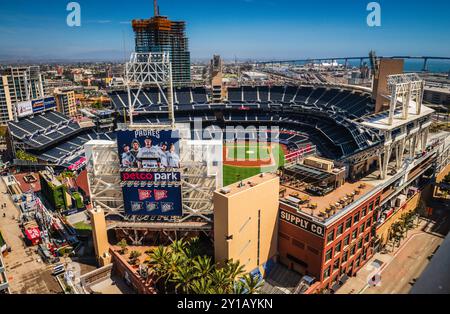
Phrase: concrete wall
{"type": "Point", "coordinates": [250, 217]}
{"type": "Point", "coordinates": [386, 67]}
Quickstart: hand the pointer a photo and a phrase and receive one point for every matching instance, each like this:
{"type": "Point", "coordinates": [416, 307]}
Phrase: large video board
{"type": "Point", "coordinates": [153, 200]}
{"type": "Point", "coordinates": [149, 149]}
{"type": "Point", "coordinates": [149, 170]}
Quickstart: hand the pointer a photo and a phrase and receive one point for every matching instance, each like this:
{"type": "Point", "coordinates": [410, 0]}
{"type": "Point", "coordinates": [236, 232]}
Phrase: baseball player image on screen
{"type": "Point", "coordinates": [149, 156]}
{"type": "Point", "coordinates": [128, 159]}
{"type": "Point", "coordinates": [135, 147]}
{"type": "Point", "coordinates": [173, 159]}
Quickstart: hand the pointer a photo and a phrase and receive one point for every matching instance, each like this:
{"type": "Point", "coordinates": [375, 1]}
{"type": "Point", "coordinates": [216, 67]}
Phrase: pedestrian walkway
{"type": "Point", "coordinates": [25, 269]}
{"type": "Point", "coordinates": [378, 263]}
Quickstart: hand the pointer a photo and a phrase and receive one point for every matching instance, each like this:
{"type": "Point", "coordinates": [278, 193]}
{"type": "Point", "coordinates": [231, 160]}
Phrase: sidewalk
{"type": "Point", "coordinates": [359, 284]}
{"type": "Point", "coordinates": [24, 267]}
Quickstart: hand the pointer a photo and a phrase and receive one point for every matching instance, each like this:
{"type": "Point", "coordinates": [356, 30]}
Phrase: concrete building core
{"type": "Point", "coordinates": [100, 236]}
{"type": "Point", "coordinates": [386, 67]}
{"type": "Point", "coordinates": [159, 34]}
{"type": "Point", "coordinates": [246, 222]}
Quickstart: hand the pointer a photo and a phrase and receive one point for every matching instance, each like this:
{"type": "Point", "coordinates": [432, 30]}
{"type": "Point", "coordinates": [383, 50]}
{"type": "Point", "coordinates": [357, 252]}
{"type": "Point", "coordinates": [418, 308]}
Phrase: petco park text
{"type": "Point", "coordinates": [151, 176]}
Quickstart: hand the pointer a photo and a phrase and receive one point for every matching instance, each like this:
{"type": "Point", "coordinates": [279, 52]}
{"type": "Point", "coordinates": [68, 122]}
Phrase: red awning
{"type": "Point", "coordinates": [33, 234]}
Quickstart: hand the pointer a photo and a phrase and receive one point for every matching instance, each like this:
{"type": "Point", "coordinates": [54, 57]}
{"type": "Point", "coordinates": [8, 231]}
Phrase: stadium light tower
{"type": "Point", "coordinates": [407, 88]}
{"type": "Point", "coordinates": [149, 69]}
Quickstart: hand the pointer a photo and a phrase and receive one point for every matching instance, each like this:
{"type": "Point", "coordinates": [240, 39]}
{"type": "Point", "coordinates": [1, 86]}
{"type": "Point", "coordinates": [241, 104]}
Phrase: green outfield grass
{"type": "Point", "coordinates": [248, 151]}
{"type": "Point", "coordinates": [230, 173]}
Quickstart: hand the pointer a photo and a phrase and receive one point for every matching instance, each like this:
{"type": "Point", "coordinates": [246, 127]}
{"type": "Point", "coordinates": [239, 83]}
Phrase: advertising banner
{"type": "Point", "coordinates": [153, 200]}
{"type": "Point", "coordinates": [49, 103]}
{"type": "Point", "coordinates": [150, 177]}
{"type": "Point", "coordinates": [148, 149]}
{"type": "Point", "coordinates": [38, 105]}
{"type": "Point", "coordinates": [78, 164]}
{"type": "Point", "coordinates": [24, 109]}
{"type": "Point", "coordinates": [149, 170]}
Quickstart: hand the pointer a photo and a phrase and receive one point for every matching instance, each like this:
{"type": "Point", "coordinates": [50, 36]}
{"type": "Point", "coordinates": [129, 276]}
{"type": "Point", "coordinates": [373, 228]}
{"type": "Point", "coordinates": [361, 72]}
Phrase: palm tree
{"type": "Point", "coordinates": [178, 246]}
{"type": "Point", "coordinates": [204, 285]}
{"type": "Point", "coordinates": [221, 281]}
{"type": "Point", "coordinates": [233, 269]}
{"type": "Point", "coordinates": [183, 277]}
{"type": "Point", "coordinates": [252, 284]}
{"type": "Point", "coordinates": [202, 265]}
{"type": "Point", "coordinates": [239, 288]}
{"type": "Point", "coordinates": [175, 262]}
{"type": "Point", "coordinates": [194, 248]}
{"type": "Point", "coordinates": [158, 264]}
{"type": "Point", "coordinates": [134, 257]}
{"type": "Point", "coordinates": [123, 246]}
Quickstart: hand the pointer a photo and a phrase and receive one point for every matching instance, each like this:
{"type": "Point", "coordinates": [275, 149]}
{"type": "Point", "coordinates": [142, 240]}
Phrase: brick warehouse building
{"type": "Point", "coordinates": [331, 250]}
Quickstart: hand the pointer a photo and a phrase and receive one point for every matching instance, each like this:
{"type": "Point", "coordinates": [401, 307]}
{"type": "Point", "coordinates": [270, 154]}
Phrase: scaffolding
{"type": "Point", "coordinates": [149, 69]}
{"type": "Point", "coordinates": [201, 176]}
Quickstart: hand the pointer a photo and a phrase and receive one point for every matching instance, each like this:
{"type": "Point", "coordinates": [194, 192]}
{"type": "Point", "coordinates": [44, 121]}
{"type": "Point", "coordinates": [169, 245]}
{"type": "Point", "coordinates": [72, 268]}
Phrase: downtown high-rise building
{"type": "Point", "coordinates": [18, 84]}
{"type": "Point", "coordinates": [159, 34]}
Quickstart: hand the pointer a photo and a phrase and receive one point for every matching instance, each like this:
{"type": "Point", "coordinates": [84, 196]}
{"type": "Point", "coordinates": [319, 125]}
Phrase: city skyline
{"type": "Point", "coordinates": [243, 29]}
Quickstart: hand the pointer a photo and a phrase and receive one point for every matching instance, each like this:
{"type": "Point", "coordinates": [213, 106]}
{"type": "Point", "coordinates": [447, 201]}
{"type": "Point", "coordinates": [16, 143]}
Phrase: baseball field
{"type": "Point", "coordinates": [246, 159]}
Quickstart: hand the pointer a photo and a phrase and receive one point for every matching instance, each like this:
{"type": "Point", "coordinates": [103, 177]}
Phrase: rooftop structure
{"type": "Point", "coordinates": [246, 223]}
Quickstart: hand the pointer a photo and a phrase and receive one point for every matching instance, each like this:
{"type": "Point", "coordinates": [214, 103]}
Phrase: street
{"type": "Point", "coordinates": [401, 268]}
{"type": "Point", "coordinates": [27, 273]}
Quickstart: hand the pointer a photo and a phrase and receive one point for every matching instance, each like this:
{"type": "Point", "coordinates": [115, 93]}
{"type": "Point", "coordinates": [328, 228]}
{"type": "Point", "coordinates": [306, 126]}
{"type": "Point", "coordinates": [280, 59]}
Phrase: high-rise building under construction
{"type": "Point", "coordinates": [159, 34]}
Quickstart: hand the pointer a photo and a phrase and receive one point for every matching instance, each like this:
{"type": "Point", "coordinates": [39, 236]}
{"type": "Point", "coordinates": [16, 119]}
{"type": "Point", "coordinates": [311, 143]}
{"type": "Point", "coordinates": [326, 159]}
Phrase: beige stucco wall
{"type": "Point", "coordinates": [236, 215]}
{"type": "Point", "coordinates": [100, 236]}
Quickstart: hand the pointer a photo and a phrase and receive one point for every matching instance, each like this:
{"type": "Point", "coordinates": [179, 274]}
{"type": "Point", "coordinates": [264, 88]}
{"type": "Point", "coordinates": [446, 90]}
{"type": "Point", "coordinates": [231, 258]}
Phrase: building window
{"type": "Point", "coordinates": [377, 202]}
{"type": "Point", "coordinates": [330, 236]}
{"type": "Point", "coordinates": [370, 207]}
{"type": "Point", "coordinates": [356, 218]}
{"type": "Point", "coordinates": [369, 222]}
{"type": "Point", "coordinates": [337, 248]}
{"type": "Point", "coordinates": [298, 244]}
{"type": "Point", "coordinates": [353, 250]}
{"type": "Point", "coordinates": [360, 243]}
{"type": "Point", "coordinates": [347, 240]}
{"type": "Point", "coordinates": [348, 223]}
{"type": "Point", "coordinates": [313, 250]}
{"type": "Point", "coordinates": [361, 229]}
{"type": "Point", "coordinates": [345, 257]}
{"type": "Point", "coordinates": [354, 234]}
{"type": "Point", "coordinates": [284, 236]}
{"type": "Point", "coordinates": [329, 255]}
{"type": "Point", "coordinates": [326, 273]}
{"type": "Point", "coordinates": [340, 230]}
{"type": "Point", "coordinates": [364, 212]}
{"type": "Point", "coordinates": [366, 239]}
{"type": "Point", "coordinates": [336, 264]}
{"type": "Point", "coordinates": [358, 261]}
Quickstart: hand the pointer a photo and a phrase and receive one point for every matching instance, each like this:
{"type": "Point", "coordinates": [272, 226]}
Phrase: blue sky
{"type": "Point", "coordinates": [269, 29]}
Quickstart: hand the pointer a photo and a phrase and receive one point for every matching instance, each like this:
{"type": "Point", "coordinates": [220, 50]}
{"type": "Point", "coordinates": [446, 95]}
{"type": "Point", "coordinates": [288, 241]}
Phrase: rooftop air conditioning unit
{"type": "Point", "coordinates": [225, 190]}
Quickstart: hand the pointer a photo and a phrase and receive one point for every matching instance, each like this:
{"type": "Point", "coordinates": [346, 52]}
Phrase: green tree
{"type": "Point", "coordinates": [176, 269]}
{"type": "Point", "coordinates": [134, 257]}
{"type": "Point", "coordinates": [202, 266]}
{"type": "Point", "coordinates": [202, 286]}
{"type": "Point", "coordinates": [252, 284]}
{"type": "Point", "coordinates": [123, 246]}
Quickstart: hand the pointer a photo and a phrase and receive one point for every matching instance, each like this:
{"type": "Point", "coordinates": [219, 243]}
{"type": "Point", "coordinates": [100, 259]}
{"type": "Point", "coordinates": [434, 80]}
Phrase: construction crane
{"type": "Point", "coordinates": [373, 62]}
{"type": "Point", "coordinates": [155, 8]}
